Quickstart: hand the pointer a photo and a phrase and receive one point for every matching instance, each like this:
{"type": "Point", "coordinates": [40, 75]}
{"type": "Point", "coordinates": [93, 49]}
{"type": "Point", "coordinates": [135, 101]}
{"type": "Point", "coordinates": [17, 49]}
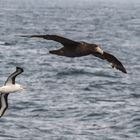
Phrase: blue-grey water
{"type": "Point", "coordinates": [71, 99]}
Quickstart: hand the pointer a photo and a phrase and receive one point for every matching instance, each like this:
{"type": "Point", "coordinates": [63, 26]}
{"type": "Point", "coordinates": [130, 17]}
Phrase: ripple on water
{"type": "Point", "coordinates": [71, 99]}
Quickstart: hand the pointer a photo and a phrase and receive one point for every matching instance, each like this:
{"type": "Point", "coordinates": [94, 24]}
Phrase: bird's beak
{"type": "Point", "coordinates": [23, 88]}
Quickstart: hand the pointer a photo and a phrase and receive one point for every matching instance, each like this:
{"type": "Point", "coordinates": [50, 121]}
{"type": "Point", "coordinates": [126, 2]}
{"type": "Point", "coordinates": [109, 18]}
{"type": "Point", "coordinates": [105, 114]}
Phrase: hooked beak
{"type": "Point", "coordinates": [23, 88]}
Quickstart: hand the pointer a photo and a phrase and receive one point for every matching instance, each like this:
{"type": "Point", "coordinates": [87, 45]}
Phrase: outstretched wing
{"type": "Point", "coordinates": [11, 78]}
{"type": "Point", "coordinates": [3, 103]}
{"type": "Point", "coordinates": [65, 41]}
{"type": "Point", "coordinates": [115, 63]}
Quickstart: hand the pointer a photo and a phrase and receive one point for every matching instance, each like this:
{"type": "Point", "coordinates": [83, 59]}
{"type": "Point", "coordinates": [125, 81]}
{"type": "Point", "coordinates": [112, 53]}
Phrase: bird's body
{"type": "Point", "coordinates": [77, 49]}
{"type": "Point", "coordinates": [82, 49]}
{"type": "Point", "coordinates": [9, 87]}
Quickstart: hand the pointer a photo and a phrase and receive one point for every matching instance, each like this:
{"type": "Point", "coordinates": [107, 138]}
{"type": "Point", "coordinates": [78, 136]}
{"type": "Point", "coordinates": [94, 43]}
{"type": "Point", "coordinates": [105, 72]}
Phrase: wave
{"type": "Point", "coordinates": [73, 72]}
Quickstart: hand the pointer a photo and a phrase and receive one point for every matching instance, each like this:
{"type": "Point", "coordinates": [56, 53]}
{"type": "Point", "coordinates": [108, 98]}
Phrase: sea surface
{"type": "Point", "coordinates": [71, 98]}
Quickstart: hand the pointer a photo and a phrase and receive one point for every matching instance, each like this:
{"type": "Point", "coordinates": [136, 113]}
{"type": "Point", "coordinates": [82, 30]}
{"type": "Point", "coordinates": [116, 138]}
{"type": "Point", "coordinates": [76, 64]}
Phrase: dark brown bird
{"type": "Point", "coordinates": [77, 49]}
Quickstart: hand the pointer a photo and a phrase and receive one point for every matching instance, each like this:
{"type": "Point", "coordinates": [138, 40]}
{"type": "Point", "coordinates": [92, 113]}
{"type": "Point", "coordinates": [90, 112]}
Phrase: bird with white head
{"type": "Point", "coordinates": [9, 87]}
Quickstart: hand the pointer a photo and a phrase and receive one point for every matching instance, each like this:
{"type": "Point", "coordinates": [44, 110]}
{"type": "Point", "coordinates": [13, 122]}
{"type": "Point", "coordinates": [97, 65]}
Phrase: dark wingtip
{"type": "Point", "coordinates": [124, 70]}
{"type": "Point", "coordinates": [19, 68]}
{"type": "Point", "coordinates": [28, 36]}
{"type": "Point", "coordinates": [31, 36]}
{"type": "Point", "coordinates": [114, 62]}
{"type": "Point", "coordinates": [121, 68]}
{"type": "Point", "coordinates": [52, 52]}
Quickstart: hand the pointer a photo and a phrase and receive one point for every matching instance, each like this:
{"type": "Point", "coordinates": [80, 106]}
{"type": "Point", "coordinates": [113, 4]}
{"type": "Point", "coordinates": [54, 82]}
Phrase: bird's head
{"type": "Point", "coordinates": [20, 87]}
{"type": "Point", "coordinates": [99, 50]}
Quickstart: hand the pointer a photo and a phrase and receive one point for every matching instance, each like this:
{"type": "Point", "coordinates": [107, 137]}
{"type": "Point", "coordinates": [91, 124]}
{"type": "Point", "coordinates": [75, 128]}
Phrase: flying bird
{"type": "Point", "coordinates": [73, 48]}
{"type": "Point", "coordinates": [9, 87]}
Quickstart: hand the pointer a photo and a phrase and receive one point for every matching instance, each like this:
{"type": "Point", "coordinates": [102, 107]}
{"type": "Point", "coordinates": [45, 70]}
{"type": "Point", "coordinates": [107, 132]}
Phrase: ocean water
{"type": "Point", "coordinates": [71, 99]}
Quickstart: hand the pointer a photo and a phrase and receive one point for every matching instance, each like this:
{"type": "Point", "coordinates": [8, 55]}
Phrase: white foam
{"type": "Point", "coordinates": [2, 43]}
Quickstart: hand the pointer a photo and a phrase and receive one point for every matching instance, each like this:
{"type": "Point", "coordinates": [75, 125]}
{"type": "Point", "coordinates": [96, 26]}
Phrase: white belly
{"type": "Point", "coordinates": [9, 88]}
